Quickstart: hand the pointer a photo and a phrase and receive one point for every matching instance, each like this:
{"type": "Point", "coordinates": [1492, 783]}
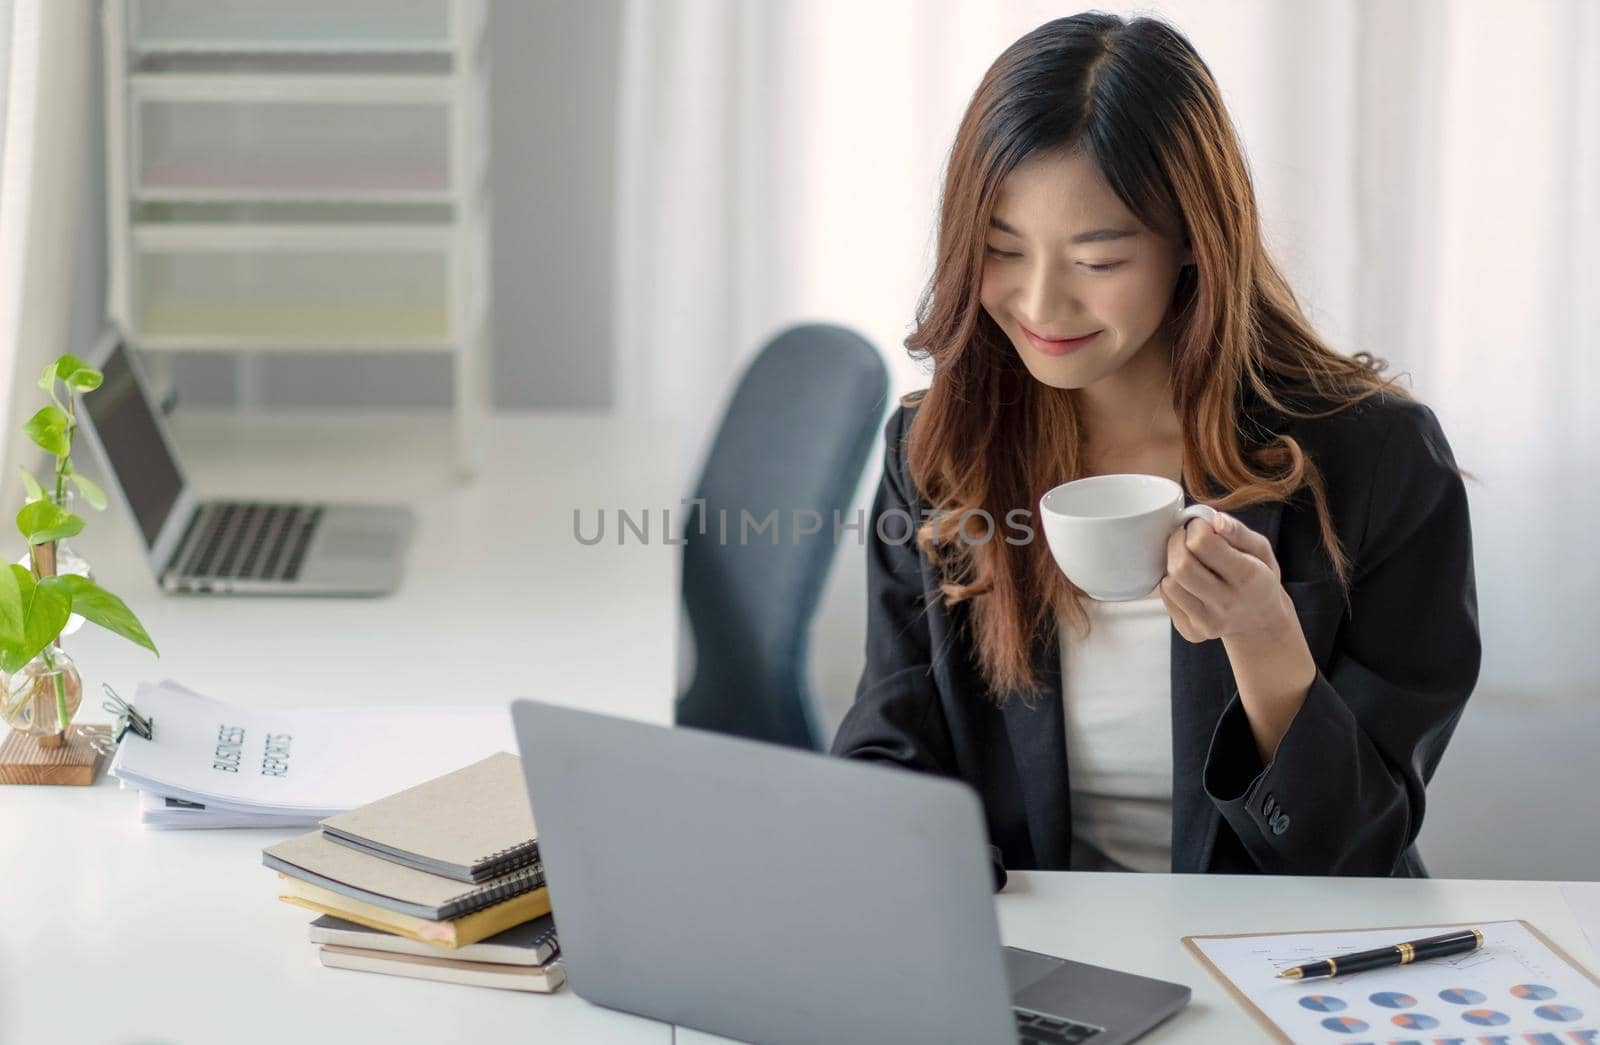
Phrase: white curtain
{"type": "Point", "coordinates": [46, 51]}
{"type": "Point", "coordinates": [1427, 173]}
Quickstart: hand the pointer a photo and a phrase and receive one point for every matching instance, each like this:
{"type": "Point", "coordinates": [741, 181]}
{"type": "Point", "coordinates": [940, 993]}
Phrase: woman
{"type": "Point", "coordinates": [1102, 303]}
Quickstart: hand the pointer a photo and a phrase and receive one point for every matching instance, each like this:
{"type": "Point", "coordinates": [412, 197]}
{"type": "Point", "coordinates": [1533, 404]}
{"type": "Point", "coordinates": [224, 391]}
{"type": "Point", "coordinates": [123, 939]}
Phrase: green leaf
{"type": "Point", "coordinates": [47, 381]}
{"type": "Point", "coordinates": [45, 609]}
{"type": "Point", "coordinates": [76, 374]}
{"type": "Point", "coordinates": [94, 603]}
{"type": "Point", "coordinates": [42, 522]}
{"type": "Point", "coordinates": [48, 429]}
{"type": "Point", "coordinates": [91, 493]}
{"type": "Point", "coordinates": [10, 608]}
{"type": "Point", "coordinates": [35, 491]}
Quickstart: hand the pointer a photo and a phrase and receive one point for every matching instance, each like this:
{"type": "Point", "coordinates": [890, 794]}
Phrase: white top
{"type": "Point", "coordinates": [1117, 701]}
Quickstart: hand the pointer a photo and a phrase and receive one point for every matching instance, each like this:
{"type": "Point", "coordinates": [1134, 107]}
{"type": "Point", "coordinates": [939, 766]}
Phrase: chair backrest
{"type": "Point", "coordinates": [787, 457]}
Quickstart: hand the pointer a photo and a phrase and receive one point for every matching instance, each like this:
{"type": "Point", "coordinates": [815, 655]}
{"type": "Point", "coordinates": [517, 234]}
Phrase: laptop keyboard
{"type": "Point", "coordinates": [247, 540]}
{"type": "Point", "coordinates": [1035, 1028]}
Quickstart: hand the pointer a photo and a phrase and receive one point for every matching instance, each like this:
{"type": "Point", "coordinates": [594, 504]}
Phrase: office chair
{"type": "Point", "coordinates": [794, 440]}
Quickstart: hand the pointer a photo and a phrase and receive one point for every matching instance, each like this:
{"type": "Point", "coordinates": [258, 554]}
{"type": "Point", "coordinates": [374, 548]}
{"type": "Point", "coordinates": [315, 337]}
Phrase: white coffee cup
{"type": "Point", "coordinates": [1109, 533]}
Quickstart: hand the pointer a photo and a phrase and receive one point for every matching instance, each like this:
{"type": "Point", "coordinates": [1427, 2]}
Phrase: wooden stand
{"type": "Point", "coordinates": [76, 762]}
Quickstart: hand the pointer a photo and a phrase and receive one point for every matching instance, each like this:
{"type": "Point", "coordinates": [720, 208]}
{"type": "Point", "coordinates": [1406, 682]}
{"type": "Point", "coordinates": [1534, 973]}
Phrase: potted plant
{"type": "Point", "coordinates": [40, 688]}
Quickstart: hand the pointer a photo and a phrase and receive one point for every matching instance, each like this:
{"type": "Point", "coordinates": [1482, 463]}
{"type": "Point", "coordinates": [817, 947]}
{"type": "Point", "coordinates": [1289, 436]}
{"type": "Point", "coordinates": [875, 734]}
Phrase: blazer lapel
{"type": "Point", "coordinates": [1202, 682]}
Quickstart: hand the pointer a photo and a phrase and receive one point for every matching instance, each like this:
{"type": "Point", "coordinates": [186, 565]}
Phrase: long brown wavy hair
{"type": "Point", "coordinates": [1137, 98]}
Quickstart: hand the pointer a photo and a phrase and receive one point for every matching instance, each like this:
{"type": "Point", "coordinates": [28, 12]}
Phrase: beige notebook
{"type": "Point", "coordinates": [531, 943]}
{"type": "Point", "coordinates": [372, 879]}
{"type": "Point", "coordinates": [470, 825]}
{"type": "Point", "coordinates": [540, 978]}
{"type": "Point", "coordinates": [453, 934]}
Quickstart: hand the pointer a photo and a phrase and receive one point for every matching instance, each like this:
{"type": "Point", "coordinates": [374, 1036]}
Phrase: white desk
{"type": "Point", "coordinates": [113, 933]}
{"type": "Point", "coordinates": [1134, 922]}
{"type": "Point", "coordinates": [110, 933]}
{"type": "Point", "coordinates": [499, 599]}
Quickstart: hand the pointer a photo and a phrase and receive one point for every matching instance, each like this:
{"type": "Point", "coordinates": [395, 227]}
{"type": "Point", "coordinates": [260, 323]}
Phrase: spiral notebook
{"type": "Point", "coordinates": [531, 943]}
{"type": "Point", "coordinates": [471, 825]}
{"type": "Point", "coordinates": [542, 979]}
{"type": "Point", "coordinates": [396, 887]}
{"type": "Point", "coordinates": [453, 934]}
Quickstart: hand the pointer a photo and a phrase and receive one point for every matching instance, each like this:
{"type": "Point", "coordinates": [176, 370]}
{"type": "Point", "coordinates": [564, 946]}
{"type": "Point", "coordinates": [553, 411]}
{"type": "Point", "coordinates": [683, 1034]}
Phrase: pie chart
{"type": "Point", "coordinates": [1461, 996]}
{"type": "Point", "coordinates": [1393, 1000]}
{"type": "Point", "coordinates": [1559, 1013]}
{"type": "Point", "coordinates": [1415, 1021]}
{"type": "Point", "coordinates": [1485, 1017]}
{"type": "Point", "coordinates": [1344, 1024]}
{"type": "Point", "coordinates": [1322, 1003]}
{"type": "Point", "coordinates": [1533, 991]}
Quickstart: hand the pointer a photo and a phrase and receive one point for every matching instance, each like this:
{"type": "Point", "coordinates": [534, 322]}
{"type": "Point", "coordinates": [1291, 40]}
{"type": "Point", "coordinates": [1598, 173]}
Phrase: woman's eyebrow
{"type": "Point", "coordinates": [1093, 236]}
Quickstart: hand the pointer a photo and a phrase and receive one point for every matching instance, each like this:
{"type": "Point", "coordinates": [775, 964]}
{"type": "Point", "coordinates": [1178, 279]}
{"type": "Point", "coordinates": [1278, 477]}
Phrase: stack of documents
{"type": "Point", "coordinates": [214, 764]}
{"type": "Point", "coordinates": [440, 881]}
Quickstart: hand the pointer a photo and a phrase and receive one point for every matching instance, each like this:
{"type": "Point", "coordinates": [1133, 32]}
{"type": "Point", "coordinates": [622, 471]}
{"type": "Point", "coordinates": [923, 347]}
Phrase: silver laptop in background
{"type": "Point", "coordinates": [775, 895]}
{"type": "Point", "coordinates": [228, 547]}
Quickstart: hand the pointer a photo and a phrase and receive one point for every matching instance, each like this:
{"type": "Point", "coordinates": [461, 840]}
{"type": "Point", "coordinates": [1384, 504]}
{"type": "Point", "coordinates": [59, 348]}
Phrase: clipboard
{"type": "Point", "coordinates": [1375, 979]}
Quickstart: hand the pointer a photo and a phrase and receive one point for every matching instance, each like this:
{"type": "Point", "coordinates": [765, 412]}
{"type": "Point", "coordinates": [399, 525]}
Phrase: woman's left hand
{"type": "Point", "coordinates": [1223, 582]}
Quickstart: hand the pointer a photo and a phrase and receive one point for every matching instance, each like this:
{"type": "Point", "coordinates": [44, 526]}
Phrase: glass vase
{"type": "Point", "coordinates": [62, 559]}
{"type": "Point", "coordinates": [58, 557]}
{"type": "Point", "coordinates": [41, 699]}
{"type": "Point", "coordinates": [67, 558]}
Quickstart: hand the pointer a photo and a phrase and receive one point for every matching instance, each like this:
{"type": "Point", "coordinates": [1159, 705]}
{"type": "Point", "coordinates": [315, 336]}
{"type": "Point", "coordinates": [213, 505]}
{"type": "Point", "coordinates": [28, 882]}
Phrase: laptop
{"type": "Point", "coordinates": [228, 547]}
{"type": "Point", "coordinates": [776, 895]}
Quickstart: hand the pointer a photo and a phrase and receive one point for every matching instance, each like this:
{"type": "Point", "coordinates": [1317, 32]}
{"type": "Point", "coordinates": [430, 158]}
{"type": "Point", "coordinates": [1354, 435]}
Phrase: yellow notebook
{"type": "Point", "coordinates": [458, 932]}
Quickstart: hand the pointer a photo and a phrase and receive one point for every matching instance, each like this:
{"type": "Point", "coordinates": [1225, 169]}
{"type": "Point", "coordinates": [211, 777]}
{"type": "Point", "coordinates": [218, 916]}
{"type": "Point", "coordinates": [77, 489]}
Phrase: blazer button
{"type": "Point", "coordinates": [1280, 823]}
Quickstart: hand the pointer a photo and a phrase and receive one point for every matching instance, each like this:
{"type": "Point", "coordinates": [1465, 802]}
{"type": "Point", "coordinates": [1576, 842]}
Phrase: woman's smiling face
{"type": "Point", "coordinates": [1065, 259]}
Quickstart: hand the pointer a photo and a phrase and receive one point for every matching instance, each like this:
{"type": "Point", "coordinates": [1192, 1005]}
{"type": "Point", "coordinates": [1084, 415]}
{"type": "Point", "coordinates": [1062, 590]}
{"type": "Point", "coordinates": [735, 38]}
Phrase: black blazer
{"type": "Point", "coordinates": [1344, 792]}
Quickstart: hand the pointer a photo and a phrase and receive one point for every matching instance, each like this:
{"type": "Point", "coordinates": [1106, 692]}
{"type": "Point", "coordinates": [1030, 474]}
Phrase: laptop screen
{"type": "Point", "coordinates": [136, 452]}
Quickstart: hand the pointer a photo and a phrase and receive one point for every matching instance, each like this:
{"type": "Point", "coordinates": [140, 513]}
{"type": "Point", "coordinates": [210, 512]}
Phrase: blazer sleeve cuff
{"type": "Point", "coordinates": [1261, 803]}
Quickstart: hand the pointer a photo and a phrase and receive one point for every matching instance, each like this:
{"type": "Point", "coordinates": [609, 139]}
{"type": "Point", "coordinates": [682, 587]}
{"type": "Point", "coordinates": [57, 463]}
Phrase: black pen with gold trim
{"type": "Point", "coordinates": [1458, 942]}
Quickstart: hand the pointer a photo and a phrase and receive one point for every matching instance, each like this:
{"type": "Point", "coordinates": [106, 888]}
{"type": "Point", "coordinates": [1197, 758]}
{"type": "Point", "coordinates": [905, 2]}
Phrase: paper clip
{"type": "Point", "coordinates": [128, 716]}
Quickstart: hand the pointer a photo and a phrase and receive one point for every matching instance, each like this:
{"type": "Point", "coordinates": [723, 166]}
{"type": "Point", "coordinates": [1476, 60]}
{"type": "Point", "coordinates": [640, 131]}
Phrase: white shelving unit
{"type": "Point", "coordinates": [302, 175]}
